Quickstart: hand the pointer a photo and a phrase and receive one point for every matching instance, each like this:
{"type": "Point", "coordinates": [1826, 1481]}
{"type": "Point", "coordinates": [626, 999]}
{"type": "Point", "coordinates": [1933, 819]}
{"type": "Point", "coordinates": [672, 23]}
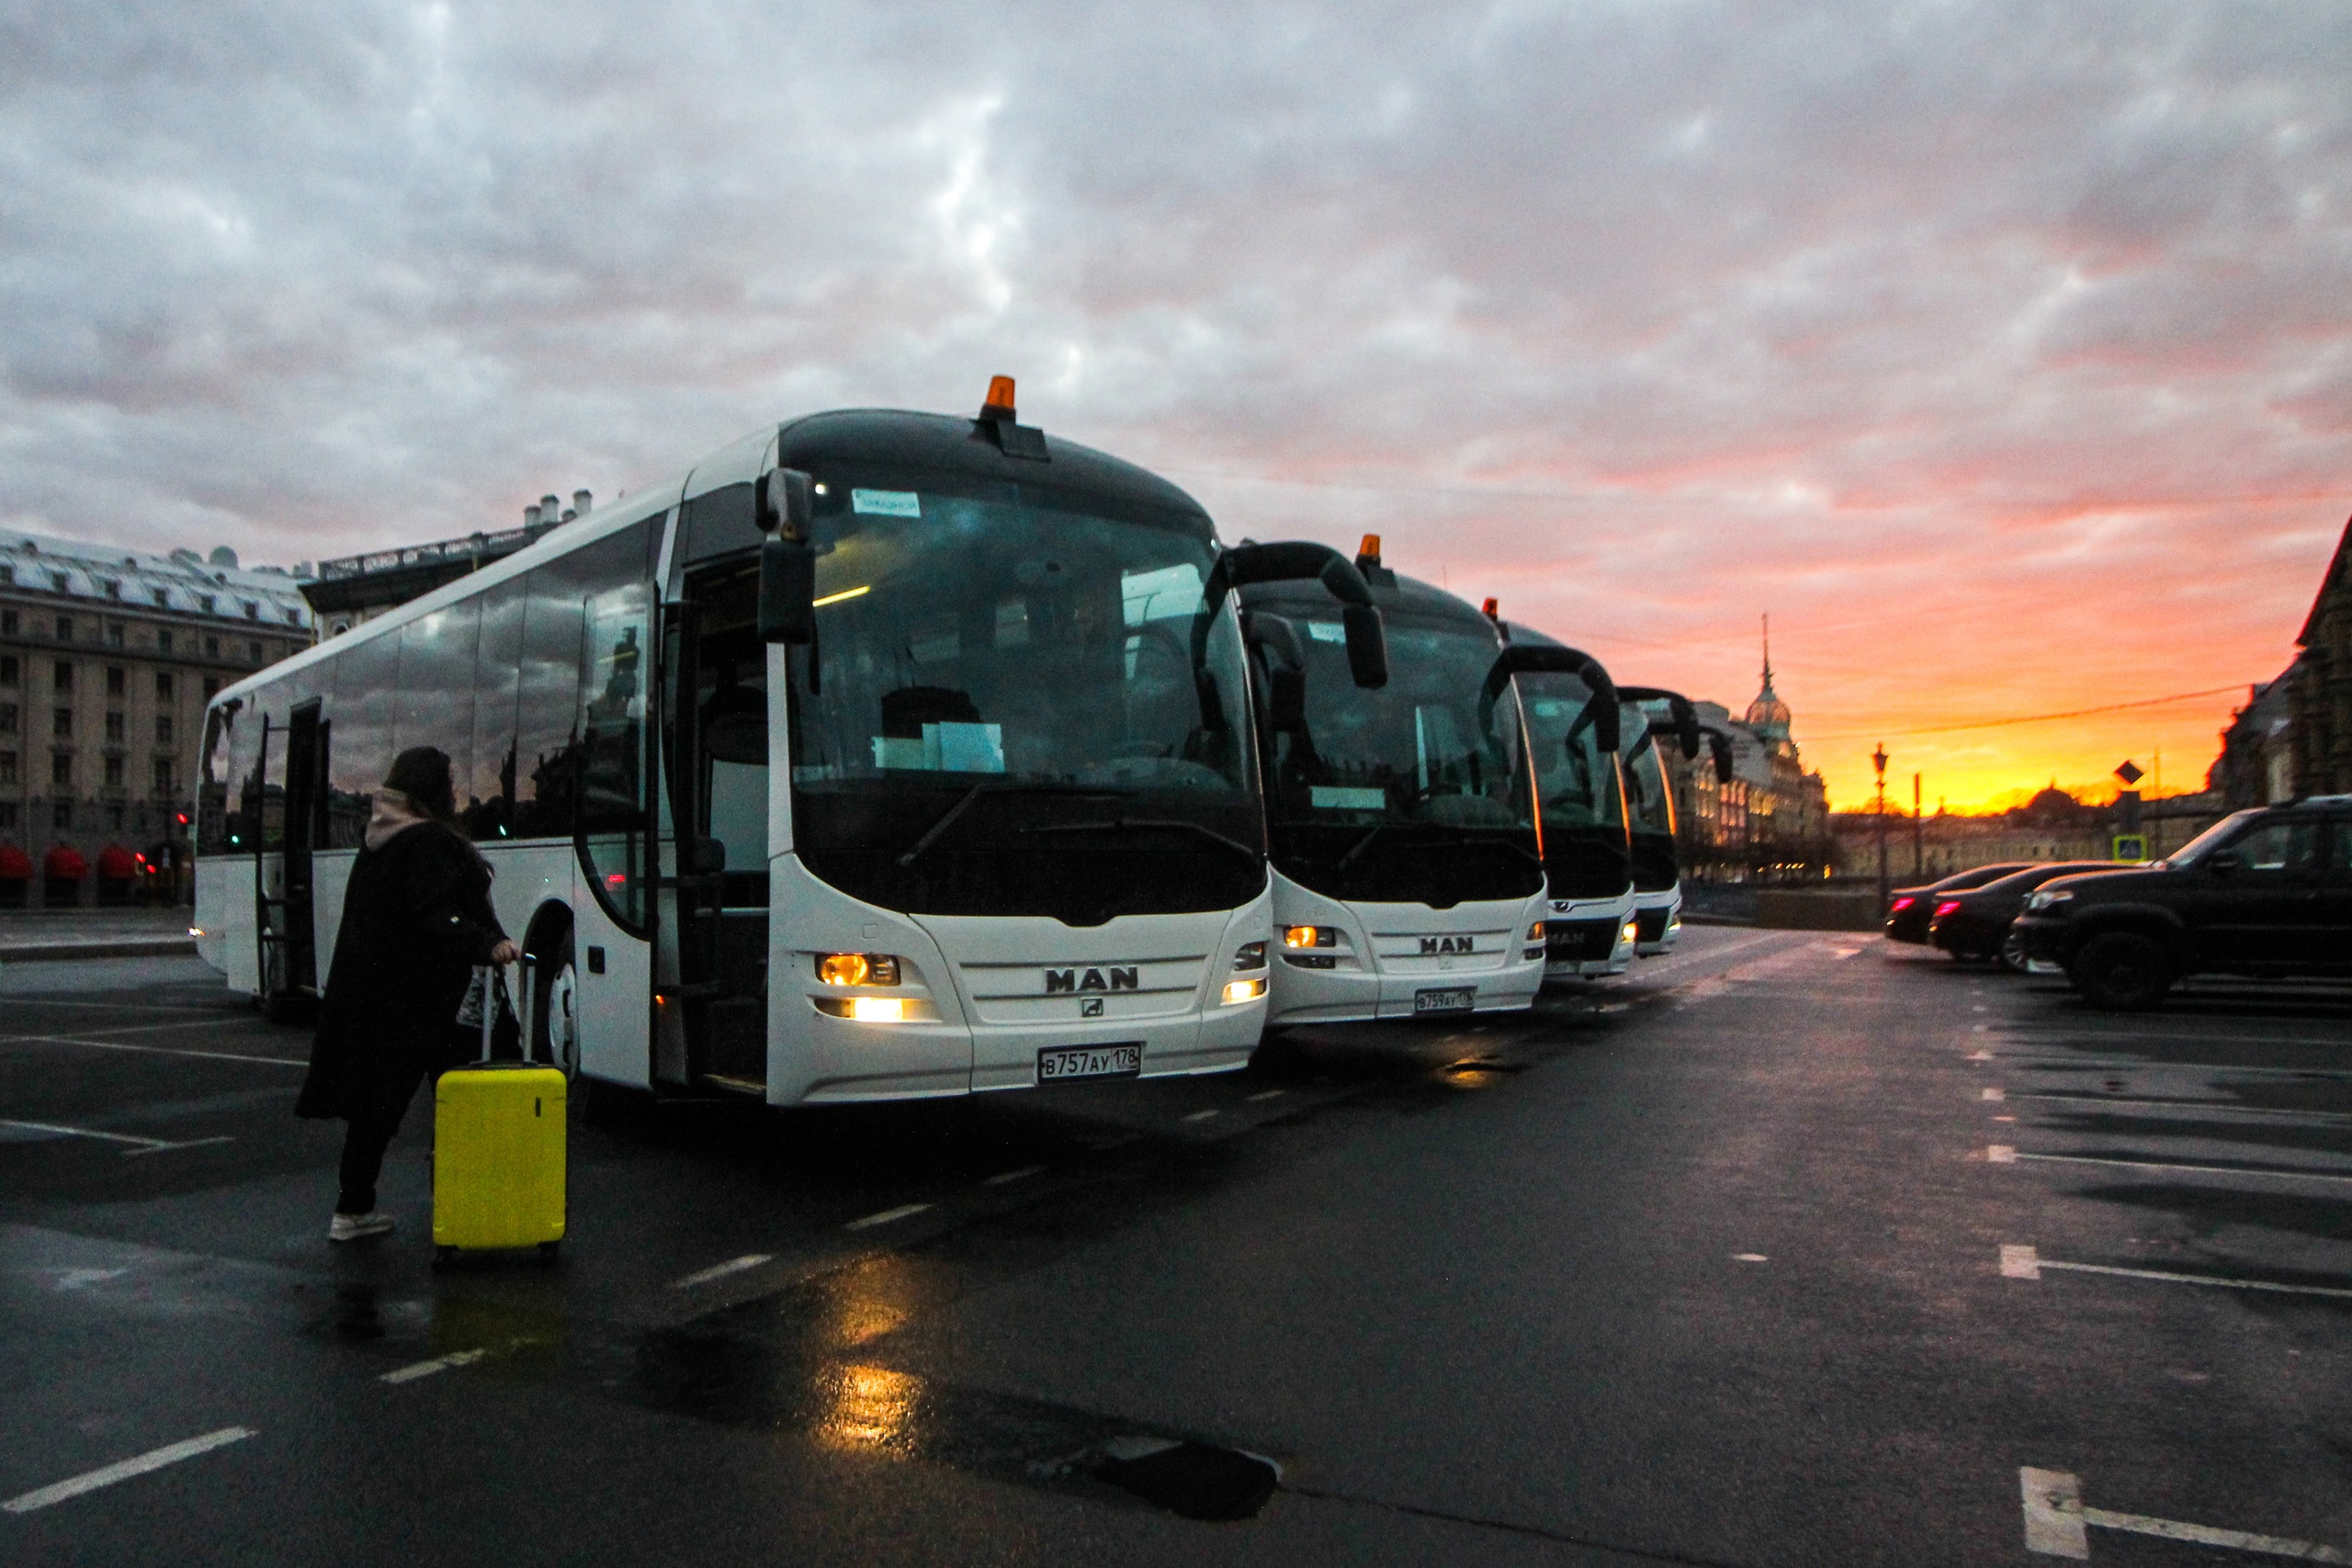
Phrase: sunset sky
{"type": "Point", "coordinates": [2002, 352]}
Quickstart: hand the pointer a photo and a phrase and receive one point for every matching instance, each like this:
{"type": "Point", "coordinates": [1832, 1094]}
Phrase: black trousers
{"type": "Point", "coordinates": [369, 1130]}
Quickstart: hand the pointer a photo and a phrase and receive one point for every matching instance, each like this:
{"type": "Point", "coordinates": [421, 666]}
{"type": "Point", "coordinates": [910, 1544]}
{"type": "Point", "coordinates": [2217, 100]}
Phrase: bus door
{"type": "Point", "coordinates": [716, 747]}
{"type": "Point", "coordinates": [305, 803]}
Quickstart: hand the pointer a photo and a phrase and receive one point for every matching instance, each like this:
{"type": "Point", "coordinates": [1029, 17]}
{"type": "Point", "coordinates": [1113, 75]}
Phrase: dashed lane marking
{"type": "Point", "coordinates": [1993, 1094]}
{"type": "Point", "coordinates": [416, 1369]}
{"type": "Point", "coordinates": [139, 1146]}
{"type": "Point", "coordinates": [904, 1211]}
{"type": "Point", "coordinates": [1007, 1178]}
{"type": "Point", "coordinates": [2025, 1263]}
{"type": "Point", "coordinates": [2204, 1108]}
{"type": "Point", "coordinates": [123, 1470]}
{"type": "Point", "coordinates": [153, 1050]}
{"type": "Point", "coordinates": [1201, 1115]}
{"type": "Point", "coordinates": [1266, 1094]}
{"type": "Point", "coordinates": [2058, 1524]}
{"type": "Point", "coordinates": [1750, 1258]}
{"type": "Point", "coordinates": [2144, 1064]}
{"type": "Point", "coordinates": [2003, 1154]}
{"type": "Point", "coordinates": [720, 1270]}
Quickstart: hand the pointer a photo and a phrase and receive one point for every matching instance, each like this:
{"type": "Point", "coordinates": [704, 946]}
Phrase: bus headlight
{"type": "Point", "coordinates": [1311, 936]}
{"type": "Point", "coordinates": [857, 969]}
{"type": "Point", "coordinates": [1535, 931]}
{"type": "Point", "coordinates": [878, 1010]}
{"type": "Point", "coordinates": [1243, 991]}
{"type": "Point", "coordinates": [1251, 955]}
{"type": "Point", "coordinates": [1630, 932]}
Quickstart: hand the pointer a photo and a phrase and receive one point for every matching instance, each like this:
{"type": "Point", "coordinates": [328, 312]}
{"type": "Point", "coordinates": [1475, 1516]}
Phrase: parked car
{"type": "Point", "coordinates": [1908, 912]}
{"type": "Point", "coordinates": [2265, 893]}
{"type": "Point", "coordinates": [1973, 924]}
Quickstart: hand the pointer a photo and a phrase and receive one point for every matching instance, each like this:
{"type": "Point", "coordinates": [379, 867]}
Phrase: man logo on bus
{"type": "Point", "coordinates": [1430, 944]}
{"type": "Point", "coordinates": [1060, 980]}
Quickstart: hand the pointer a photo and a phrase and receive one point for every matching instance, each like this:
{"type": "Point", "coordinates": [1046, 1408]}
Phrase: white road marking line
{"type": "Point", "coordinates": [63, 1132]}
{"type": "Point", "coordinates": [2144, 1064]}
{"type": "Point", "coordinates": [174, 1148]}
{"type": "Point", "coordinates": [2063, 1034]}
{"type": "Point", "coordinates": [1980, 1055]}
{"type": "Point", "coordinates": [720, 1270]}
{"type": "Point", "coordinates": [153, 1050]}
{"type": "Point", "coordinates": [903, 1212]}
{"type": "Point", "coordinates": [1844, 952]}
{"type": "Point", "coordinates": [2004, 1118]}
{"type": "Point", "coordinates": [2053, 1514]}
{"type": "Point", "coordinates": [1201, 1115]}
{"type": "Point", "coordinates": [416, 1369]}
{"type": "Point", "coordinates": [1750, 1258]}
{"type": "Point", "coordinates": [75, 1279]}
{"type": "Point", "coordinates": [2000, 1154]}
{"type": "Point", "coordinates": [1007, 1178]}
{"type": "Point", "coordinates": [1265, 1094]}
{"type": "Point", "coordinates": [2023, 1263]}
{"type": "Point", "coordinates": [2203, 1107]}
{"type": "Point", "coordinates": [123, 1470]}
{"type": "Point", "coordinates": [1993, 1094]}
{"type": "Point", "coordinates": [158, 1028]}
{"type": "Point", "coordinates": [2056, 1525]}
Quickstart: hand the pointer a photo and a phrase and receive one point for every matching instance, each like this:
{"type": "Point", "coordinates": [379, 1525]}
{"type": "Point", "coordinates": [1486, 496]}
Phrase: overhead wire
{"type": "Point", "coordinates": [2033, 718]}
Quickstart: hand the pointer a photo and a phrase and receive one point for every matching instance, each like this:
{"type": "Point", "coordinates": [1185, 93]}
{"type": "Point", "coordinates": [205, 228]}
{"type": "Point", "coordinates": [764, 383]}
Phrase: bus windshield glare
{"type": "Point", "coordinates": [1577, 779]}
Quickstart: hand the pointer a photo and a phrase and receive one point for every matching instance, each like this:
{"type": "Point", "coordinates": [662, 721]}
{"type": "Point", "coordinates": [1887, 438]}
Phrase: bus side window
{"type": "Point", "coordinates": [436, 691]}
{"type": "Point", "coordinates": [489, 796]}
{"type": "Point", "coordinates": [548, 689]}
{"type": "Point", "coordinates": [244, 779]}
{"type": "Point", "coordinates": [212, 787]}
{"type": "Point", "coordinates": [361, 712]}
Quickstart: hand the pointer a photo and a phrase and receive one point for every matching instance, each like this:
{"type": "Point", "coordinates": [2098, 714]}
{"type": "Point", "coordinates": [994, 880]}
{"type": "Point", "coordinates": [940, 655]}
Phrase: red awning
{"type": "Point", "coordinates": [64, 865]}
{"type": "Point", "coordinates": [14, 865]}
{"type": "Point", "coordinates": [115, 864]}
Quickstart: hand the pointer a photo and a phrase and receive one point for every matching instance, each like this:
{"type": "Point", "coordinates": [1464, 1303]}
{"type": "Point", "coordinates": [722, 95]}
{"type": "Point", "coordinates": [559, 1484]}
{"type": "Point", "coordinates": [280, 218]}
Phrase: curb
{"type": "Point", "coordinates": [100, 947]}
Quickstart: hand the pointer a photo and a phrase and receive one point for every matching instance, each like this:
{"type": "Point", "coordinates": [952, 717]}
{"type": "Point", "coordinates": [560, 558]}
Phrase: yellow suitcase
{"type": "Point", "coordinates": [498, 1158]}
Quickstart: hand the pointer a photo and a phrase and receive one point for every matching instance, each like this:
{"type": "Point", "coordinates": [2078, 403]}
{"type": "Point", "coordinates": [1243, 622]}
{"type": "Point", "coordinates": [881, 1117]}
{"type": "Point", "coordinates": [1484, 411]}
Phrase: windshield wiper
{"type": "Point", "coordinates": [1453, 835]}
{"type": "Point", "coordinates": [1117, 824]}
{"type": "Point", "coordinates": [1362, 844]}
{"type": "Point", "coordinates": [946, 820]}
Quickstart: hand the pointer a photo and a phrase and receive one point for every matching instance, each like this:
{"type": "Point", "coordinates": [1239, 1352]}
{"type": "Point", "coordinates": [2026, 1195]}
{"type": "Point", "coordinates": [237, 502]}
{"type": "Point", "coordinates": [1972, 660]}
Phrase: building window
{"type": "Point", "coordinates": [61, 769]}
{"type": "Point", "coordinates": [8, 622]}
{"type": "Point", "coordinates": [7, 814]}
{"type": "Point", "coordinates": [7, 719]}
{"type": "Point", "coordinates": [7, 576]}
{"type": "Point", "coordinates": [61, 582]}
{"type": "Point", "coordinates": [7, 767]}
{"type": "Point", "coordinates": [253, 611]}
{"type": "Point", "coordinates": [63, 815]}
{"type": "Point", "coordinates": [253, 651]}
{"type": "Point", "coordinates": [64, 627]}
{"type": "Point", "coordinates": [162, 642]}
{"type": "Point", "coordinates": [7, 668]}
{"type": "Point", "coordinates": [162, 729]}
{"type": "Point", "coordinates": [114, 729]}
{"type": "Point", "coordinates": [164, 684]}
{"type": "Point", "coordinates": [212, 647]}
{"type": "Point", "coordinates": [114, 772]}
{"type": "Point", "coordinates": [293, 617]}
{"type": "Point", "coordinates": [118, 680]}
{"type": "Point", "coordinates": [212, 687]}
{"type": "Point", "coordinates": [204, 603]}
{"type": "Point", "coordinates": [113, 589]}
{"type": "Point", "coordinates": [64, 677]}
{"type": "Point", "coordinates": [164, 785]}
{"type": "Point", "coordinates": [114, 816]}
{"type": "Point", "coordinates": [115, 634]}
{"type": "Point", "coordinates": [162, 597]}
{"type": "Point", "coordinates": [61, 723]}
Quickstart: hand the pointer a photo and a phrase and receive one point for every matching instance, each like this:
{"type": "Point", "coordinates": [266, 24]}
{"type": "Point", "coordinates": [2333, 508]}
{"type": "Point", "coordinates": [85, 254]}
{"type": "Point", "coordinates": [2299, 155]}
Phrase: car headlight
{"type": "Point", "coordinates": [2048, 900]}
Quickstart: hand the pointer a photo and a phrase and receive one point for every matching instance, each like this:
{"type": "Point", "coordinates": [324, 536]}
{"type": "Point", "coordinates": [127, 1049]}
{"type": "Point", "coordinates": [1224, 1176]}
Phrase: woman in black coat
{"type": "Point", "coordinates": [416, 919]}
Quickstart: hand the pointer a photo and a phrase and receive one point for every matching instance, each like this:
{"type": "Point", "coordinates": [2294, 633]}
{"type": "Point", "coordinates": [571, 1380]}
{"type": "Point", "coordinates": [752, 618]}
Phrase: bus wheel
{"type": "Point", "coordinates": [2122, 971]}
{"type": "Point", "coordinates": [555, 1010]}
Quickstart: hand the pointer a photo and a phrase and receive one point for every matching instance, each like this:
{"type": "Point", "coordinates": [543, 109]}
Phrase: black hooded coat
{"type": "Point", "coordinates": [416, 919]}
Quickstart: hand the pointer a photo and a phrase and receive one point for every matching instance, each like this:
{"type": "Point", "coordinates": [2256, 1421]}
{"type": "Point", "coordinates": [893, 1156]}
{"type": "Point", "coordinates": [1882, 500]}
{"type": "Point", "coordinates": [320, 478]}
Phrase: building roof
{"type": "Point", "coordinates": [181, 583]}
{"type": "Point", "coordinates": [2337, 581]}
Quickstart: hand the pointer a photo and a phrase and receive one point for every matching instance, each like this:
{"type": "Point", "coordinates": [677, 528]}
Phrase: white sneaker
{"type": "Point", "coordinates": [351, 1227]}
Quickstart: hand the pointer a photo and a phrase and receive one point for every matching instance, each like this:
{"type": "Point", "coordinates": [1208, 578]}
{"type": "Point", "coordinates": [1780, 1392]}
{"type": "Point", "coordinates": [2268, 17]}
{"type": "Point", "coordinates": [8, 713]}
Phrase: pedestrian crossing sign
{"type": "Point", "coordinates": [2130, 846]}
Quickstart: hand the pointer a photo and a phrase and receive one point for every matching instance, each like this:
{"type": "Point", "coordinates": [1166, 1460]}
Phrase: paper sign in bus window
{"type": "Point", "coordinates": [885, 502]}
{"type": "Point", "coordinates": [944, 749]}
{"type": "Point", "coordinates": [1327, 631]}
{"type": "Point", "coordinates": [1163, 594]}
{"type": "Point", "coordinates": [1336, 797]}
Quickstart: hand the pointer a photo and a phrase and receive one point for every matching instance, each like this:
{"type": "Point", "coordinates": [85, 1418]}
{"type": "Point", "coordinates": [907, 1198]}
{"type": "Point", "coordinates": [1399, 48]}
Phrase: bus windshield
{"type": "Point", "coordinates": [1000, 712]}
{"type": "Point", "coordinates": [1583, 797]}
{"type": "Point", "coordinates": [1412, 791]}
{"type": "Point", "coordinates": [1647, 803]}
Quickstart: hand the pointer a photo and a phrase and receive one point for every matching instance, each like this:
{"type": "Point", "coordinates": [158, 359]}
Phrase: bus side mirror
{"type": "Point", "coordinates": [787, 587]}
{"type": "Point", "coordinates": [787, 503]}
{"type": "Point", "coordinates": [1287, 699]}
{"type": "Point", "coordinates": [1367, 646]}
{"type": "Point", "coordinates": [2225, 863]}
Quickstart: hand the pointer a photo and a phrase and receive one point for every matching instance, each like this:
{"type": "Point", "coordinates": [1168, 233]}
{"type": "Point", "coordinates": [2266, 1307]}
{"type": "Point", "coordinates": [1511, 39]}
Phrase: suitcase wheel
{"type": "Point", "coordinates": [442, 1256]}
{"type": "Point", "coordinates": [547, 1250]}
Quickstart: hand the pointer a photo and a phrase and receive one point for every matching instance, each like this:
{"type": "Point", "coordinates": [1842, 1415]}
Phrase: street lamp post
{"type": "Point", "coordinates": [1919, 845]}
{"type": "Point", "coordinates": [1885, 890]}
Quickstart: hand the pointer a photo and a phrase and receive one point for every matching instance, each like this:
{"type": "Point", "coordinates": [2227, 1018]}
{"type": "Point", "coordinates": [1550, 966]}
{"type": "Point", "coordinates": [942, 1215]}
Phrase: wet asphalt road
{"type": "Point", "coordinates": [1707, 1266]}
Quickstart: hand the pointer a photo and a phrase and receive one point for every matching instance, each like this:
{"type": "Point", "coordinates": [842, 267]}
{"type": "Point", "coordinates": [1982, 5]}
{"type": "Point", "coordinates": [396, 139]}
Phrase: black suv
{"type": "Point", "coordinates": [2264, 892]}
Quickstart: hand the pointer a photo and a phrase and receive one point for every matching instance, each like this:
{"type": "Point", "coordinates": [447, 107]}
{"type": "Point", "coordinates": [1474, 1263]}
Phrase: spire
{"type": "Point", "coordinates": [1767, 716]}
{"type": "Point", "coordinates": [1767, 650]}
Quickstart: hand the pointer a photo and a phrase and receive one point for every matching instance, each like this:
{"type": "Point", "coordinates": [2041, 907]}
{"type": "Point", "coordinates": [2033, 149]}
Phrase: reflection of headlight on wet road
{"type": "Point", "coordinates": [867, 1407]}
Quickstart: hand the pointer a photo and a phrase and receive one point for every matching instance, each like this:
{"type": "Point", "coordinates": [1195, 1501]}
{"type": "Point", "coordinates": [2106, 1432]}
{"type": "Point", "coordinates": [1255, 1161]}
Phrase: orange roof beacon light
{"type": "Point", "coordinates": [1368, 553]}
{"type": "Point", "coordinates": [1492, 608]}
{"type": "Point", "coordinates": [1000, 403]}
